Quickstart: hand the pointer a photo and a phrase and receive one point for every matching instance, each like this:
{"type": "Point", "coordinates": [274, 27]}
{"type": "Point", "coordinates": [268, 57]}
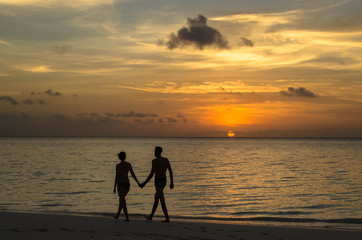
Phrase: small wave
{"type": "Point", "coordinates": [60, 179]}
{"type": "Point", "coordinates": [10, 204]}
{"type": "Point", "coordinates": [56, 205]}
{"type": "Point", "coordinates": [277, 219]}
{"type": "Point", "coordinates": [68, 193]}
{"type": "Point", "coordinates": [319, 206]}
{"type": "Point", "coordinates": [274, 213]}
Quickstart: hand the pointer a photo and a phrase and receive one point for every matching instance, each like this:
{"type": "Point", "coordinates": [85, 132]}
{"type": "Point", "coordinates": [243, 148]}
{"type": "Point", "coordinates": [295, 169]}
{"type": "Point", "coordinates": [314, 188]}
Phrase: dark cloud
{"type": "Point", "coordinates": [109, 114]}
{"type": "Point", "coordinates": [246, 42]}
{"type": "Point", "coordinates": [28, 102]}
{"type": "Point", "coordinates": [60, 49]}
{"type": "Point", "coordinates": [148, 121]}
{"type": "Point", "coordinates": [40, 101]}
{"type": "Point", "coordinates": [25, 102]}
{"type": "Point", "coordinates": [298, 92]}
{"type": "Point", "coordinates": [197, 33]}
{"type": "Point", "coordinates": [171, 120]}
{"type": "Point", "coordinates": [31, 102]}
{"type": "Point", "coordinates": [49, 92]}
{"type": "Point", "coordinates": [52, 93]}
{"type": "Point", "coordinates": [7, 116]}
{"type": "Point", "coordinates": [134, 114]}
{"type": "Point", "coordinates": [9, 99]}
{"type": "Point", "coordinates": [182, 117]}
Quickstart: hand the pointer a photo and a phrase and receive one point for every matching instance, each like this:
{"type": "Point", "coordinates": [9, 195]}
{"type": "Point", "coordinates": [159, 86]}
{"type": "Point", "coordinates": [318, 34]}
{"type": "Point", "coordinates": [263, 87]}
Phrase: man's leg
{"type": "Point", "coordinates": [155, 205]}
{"type": "Point", "coordinates": [163, 204]}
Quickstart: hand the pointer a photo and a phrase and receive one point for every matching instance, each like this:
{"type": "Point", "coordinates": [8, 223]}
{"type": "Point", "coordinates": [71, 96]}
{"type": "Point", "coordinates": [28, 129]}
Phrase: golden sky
{"type": "Point", "coordinates": [202, 68]}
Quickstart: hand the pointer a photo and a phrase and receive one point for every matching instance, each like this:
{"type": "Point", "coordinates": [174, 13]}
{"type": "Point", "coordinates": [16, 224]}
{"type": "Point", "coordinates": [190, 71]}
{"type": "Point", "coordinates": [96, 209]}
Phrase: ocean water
{"type": "Point", "coordinates": [312, 182]}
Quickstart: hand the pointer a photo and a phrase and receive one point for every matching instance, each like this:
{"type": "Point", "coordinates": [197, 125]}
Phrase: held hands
{"type": "Point", "coordinates": [142, 185]}
{"type": "Point", "coordinates": [171, 186]}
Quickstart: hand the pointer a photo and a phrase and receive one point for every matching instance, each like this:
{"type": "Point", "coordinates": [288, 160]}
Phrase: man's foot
{"type": "Point", "coordinates": [149, 218]}
{"type": "Point", "coordinates": [115, 217]}
{"type": "Point", "coordinates": [167, 220]}
{"type": "Point", "coordinates": [127, 220]}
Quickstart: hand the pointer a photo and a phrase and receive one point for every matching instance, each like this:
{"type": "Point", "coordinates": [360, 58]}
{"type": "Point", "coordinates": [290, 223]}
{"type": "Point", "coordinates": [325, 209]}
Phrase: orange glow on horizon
{"type": "Point", "coordinates": [231, 117]}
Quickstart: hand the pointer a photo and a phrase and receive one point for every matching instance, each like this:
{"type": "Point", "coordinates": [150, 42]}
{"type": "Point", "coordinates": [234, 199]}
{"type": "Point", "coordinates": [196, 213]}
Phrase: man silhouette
{"type": "Point", "coordinates": [159, 167]}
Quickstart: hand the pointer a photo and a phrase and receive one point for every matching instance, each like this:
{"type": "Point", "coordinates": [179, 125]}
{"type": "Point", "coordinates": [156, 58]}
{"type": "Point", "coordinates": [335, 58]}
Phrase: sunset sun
{"type": "Point", "coordinates": [231, 134]}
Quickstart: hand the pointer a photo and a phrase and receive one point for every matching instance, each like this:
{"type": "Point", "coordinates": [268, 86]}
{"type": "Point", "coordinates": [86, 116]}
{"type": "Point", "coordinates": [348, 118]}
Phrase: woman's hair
{"type": "Point", "coordinates": [122, 155]}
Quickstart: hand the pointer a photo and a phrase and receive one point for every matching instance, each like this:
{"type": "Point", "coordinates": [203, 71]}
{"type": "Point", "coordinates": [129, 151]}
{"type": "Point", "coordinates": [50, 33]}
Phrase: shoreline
{"type": "Point", "coordinates": [353, 224]}
{"type": "Point", "coordinates": [20, 225]}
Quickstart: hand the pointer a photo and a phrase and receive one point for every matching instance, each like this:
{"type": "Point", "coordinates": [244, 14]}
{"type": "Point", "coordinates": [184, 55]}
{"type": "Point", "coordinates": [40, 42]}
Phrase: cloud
{"type": "Point", "coordinates": [133, 114]}
{"type": "Point", "coordinates": [246, 42]}
{"type": "Point", "coordinates": [31, 102]}
{"type": "Point", "coordinates": [9, 99]}
{"type": "Point", "coordinates": [198, 34]}
{"type": "Point", "coordinates": [28, 102]}
{"type": "Point", "coordinates": [7, 116]}
{"type": "Point", "coordinates": [298, 92]}
{"type": "Point", "coordinates": [51, 93]}
{"type": "Point", "coordinates": [25, 102]}
{"type": "Point", "coordinates": [182, 117]}
{"type": "Point", "coordinates": [60, 49]}
{"type": "Point", "coordinates": [171, 120]}
{"type": "Point", "coordinates": [48, 92]}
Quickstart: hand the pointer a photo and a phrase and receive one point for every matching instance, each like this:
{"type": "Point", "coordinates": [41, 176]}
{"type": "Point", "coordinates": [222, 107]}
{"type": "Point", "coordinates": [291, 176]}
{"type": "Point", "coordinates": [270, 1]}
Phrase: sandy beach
{"type": "Point", "coordinates": [54, 226]}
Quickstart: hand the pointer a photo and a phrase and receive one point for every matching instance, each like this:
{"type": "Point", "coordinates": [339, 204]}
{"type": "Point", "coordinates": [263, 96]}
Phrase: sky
{"type": "Point", "coordinates": [166, 68]}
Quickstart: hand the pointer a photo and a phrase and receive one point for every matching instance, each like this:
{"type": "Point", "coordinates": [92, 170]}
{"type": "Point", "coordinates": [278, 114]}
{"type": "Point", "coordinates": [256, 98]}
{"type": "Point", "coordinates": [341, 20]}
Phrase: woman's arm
{"type": "Point", "coordinates": [133, 174]}
{"type": "Point", "coordinates": [115, 180]}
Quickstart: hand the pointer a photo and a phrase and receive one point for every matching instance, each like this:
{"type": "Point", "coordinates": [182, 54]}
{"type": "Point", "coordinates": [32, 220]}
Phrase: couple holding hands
{"type": "Point", "coordinates": [159, 167]}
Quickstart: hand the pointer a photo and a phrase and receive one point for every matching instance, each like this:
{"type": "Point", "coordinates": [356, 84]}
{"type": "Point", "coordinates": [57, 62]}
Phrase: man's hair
{"type": "Point", "coordinates": [122, 155]}
{"type": "Point", "coordinates": [158, 150]}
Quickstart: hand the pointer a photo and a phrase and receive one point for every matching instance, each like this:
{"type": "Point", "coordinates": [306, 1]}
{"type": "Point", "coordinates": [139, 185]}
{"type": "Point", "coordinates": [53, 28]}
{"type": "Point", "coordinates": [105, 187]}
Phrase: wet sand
{"type": "Point", "coordinates": [53, 226]}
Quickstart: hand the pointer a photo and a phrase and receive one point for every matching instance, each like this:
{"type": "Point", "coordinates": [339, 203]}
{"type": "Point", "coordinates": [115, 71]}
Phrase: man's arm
{"type": "Point", "coordinates": [171, 174]}
{"type": "Point", "coordinates": [149, 176]}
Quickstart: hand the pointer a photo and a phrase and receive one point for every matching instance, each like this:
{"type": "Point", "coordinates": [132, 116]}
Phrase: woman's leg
{"type": "Point", "coordinates": [122, 201]}
{"type": "Point", "coordinates": [119, 209]}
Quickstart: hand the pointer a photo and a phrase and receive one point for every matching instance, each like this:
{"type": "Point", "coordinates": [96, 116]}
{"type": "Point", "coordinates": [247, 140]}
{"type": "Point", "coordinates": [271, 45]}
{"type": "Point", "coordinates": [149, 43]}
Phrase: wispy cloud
{"type": "Point", "coordinates": [131, 114]}
{"type": "Point", "coordinates": [9, 99]}
{"type": "Point", "coordinates": [52, 93]}
{"type": "Point", "coordinates": [31, 102]}
{"type": "Point", "coordinates": [246, 42]}
{"type": "Point", "coordinates": [52, 3]}
{"type": "Point", "coordinates": [39, 69]}
{"type": "Point", "coordinates": [298, 92]}
{"type": "Point", "coordinates": [60, 49]}
{"type": "Point", "coordinates": [49, 92]}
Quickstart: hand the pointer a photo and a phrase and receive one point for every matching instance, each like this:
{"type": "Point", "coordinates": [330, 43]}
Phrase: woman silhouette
{"type": "Point", "coordinates": [122, 183]}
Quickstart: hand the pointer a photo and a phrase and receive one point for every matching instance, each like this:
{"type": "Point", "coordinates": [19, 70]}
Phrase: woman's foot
{"type": "Point", "coordinates": [149, 218]}
{"type": "Point", "coordinates": [115, 217]}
